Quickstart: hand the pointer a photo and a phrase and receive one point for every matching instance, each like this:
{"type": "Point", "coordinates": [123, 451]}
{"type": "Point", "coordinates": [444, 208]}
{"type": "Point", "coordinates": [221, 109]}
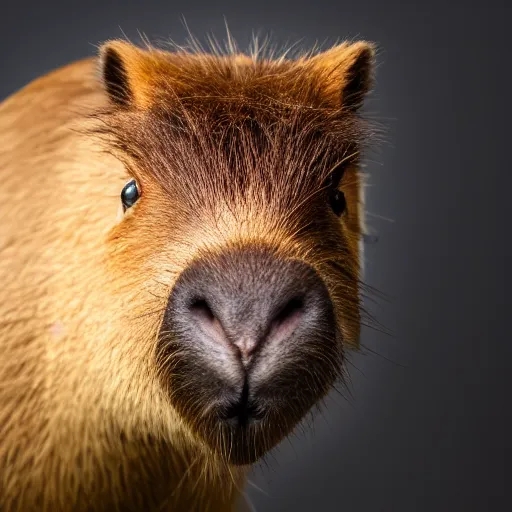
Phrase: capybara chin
{"type": "Point", "coordinates": [179, 259]}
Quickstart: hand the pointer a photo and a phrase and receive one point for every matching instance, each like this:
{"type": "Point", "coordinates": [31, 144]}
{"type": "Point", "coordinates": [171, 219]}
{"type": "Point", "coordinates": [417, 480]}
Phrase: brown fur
{"type": "Point", "coordinates": [228, 150]}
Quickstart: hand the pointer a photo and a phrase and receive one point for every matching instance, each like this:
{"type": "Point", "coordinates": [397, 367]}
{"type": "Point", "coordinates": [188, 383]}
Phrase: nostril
{"type": "Point", "coordinates": [206, 319]}
{"type": "Point", "coordinates": [200, 308]}
{"type": "Point", "coordinates": [289, 310]}
{"type": "Point", "coordinates": [287, 318]}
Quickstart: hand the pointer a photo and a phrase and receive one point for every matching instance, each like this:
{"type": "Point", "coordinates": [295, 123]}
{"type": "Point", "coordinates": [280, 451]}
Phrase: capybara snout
{"type": "Point", "coordinates": [254, 323]}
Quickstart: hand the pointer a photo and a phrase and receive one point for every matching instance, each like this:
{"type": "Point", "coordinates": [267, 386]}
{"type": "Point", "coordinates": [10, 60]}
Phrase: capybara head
{"type": "Point", "coordinates": [239, 234]}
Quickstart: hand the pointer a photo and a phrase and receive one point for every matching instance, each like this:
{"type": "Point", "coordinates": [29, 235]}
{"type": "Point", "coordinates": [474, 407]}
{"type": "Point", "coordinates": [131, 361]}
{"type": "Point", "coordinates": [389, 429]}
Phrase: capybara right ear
{"type": "Point", "coordinates": [126, 73]}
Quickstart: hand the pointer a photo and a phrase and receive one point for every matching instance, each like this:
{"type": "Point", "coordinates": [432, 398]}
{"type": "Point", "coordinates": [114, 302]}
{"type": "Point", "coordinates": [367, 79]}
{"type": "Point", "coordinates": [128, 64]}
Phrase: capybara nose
{"type": "Point", "coordinates": [246, 299]}
{"type": "Point", "coordinates": [271, 324]}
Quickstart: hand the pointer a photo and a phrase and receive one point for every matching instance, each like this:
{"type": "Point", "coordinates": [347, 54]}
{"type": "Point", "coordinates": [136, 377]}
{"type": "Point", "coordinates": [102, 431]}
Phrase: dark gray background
{"type": "Point", "coordinates": [426, 425]}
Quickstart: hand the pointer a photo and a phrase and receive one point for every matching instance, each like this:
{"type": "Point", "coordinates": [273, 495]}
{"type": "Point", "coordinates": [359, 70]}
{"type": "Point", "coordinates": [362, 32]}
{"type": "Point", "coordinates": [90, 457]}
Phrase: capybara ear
{"type": "Point", "coordinates": [127, 73]}
{"type": "Point", "coordinates": [345, 72]}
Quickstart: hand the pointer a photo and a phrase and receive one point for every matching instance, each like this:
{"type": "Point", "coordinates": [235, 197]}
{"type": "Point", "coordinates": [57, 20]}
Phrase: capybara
{"type": "Point", "coordinates": [180, 269]}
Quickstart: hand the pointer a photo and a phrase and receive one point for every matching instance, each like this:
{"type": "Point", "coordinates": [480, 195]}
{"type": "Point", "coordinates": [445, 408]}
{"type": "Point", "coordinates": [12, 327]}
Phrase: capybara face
{"type": "Point", "coordinates": [242, 221]}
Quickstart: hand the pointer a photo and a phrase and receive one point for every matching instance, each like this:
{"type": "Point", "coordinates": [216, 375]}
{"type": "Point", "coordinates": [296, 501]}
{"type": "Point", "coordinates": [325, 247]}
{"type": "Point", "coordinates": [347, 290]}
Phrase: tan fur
{"type": "Point", "coordinates": [84, 421]}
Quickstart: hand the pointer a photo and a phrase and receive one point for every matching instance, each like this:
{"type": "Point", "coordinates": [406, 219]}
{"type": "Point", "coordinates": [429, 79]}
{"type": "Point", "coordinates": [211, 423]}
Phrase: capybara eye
{"type": "Point", "coordinates": [337, 200]}
{"type": "Point", "coordinates": [130, 194]}
{"type": "Point", "coordinates": [336, 196]}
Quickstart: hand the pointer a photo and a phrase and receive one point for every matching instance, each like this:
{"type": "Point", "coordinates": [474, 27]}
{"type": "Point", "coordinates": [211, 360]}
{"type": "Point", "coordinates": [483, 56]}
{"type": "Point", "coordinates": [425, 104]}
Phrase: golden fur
{"type": "Point", "coordinates": [84, 421]}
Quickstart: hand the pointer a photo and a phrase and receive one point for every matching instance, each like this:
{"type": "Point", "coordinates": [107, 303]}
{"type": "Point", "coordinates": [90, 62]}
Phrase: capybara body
{"type": "Point", "coordinates": [155, 345]}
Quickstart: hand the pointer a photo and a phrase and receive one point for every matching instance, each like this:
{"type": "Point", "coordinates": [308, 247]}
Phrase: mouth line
{"type": "Point", "coordinates": [243, 412]}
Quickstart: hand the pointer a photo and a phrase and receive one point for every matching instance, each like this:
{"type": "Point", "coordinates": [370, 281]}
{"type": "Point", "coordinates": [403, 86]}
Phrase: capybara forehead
{"type": "Point", "coordinates": [283, 149]}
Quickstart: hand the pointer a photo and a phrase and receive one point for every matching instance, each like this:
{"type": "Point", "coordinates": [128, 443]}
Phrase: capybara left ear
{"type": "Point", "coordinates": [359, 75]}
{"type": "Point", "coordinates": [126, 73]}
{"type": "Point", "coordinates": [344, 73]}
